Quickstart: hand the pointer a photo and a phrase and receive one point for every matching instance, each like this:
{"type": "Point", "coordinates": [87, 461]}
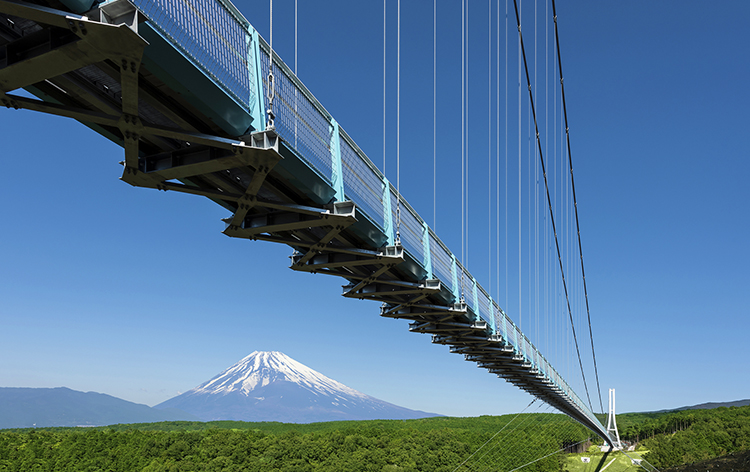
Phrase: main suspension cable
{"type": "Point", "coordinates": [575, 203]}
{"type": "Point", "coordinates": [549, 200]}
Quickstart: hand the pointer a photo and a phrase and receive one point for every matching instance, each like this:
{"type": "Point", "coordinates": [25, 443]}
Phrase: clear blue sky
{"type": "Point", "coordinates": [136, 293]}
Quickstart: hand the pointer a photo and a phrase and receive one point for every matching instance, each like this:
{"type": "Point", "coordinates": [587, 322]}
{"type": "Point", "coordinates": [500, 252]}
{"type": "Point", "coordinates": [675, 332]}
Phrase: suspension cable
{"type": "Point", "coordinates": [497, 149]}
{"type": "Point", "coordinates": [434, 115]}
{"type": "Point", "coordinates": [549, 201]}
{"type": "Point", "coordinates": [384, 38]}
{"type": "Point", "coordinates": [546, 150]}
{"type": "Point", "coordinates": [271, 86]}
{"type": "Point", "coordinates": [520, 245]}
{"type": "Point", "coordinates": [463, 138]}
{"type": "Point", "coordinates": [489, 144]}
{"type": "Point", "coordinates": [506, 150]}
{"type": "Point", "coordinates": [575, 204]}
{"type": "Point", "coordinates": [398, 128]}
{"type": "Point", "coordinates": [536, 195]}
{"type": "Point", "coordinates": [467, 141]}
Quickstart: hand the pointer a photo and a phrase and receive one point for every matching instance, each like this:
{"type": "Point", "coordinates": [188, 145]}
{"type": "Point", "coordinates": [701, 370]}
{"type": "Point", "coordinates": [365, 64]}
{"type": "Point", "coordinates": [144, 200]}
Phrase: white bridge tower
{"type": "Point", "coordinates": [611, 422]}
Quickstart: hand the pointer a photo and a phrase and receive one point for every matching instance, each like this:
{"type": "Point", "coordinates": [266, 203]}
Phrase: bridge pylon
{"type": "Point", "coordinates": [612, 422]}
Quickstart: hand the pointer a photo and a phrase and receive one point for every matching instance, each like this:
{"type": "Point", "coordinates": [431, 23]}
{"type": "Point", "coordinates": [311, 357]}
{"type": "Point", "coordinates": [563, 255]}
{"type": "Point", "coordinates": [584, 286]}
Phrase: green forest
{"type": "Point", "coordinates": [432, 444]}
{"type": "Point", "coordinates": [688, 436]}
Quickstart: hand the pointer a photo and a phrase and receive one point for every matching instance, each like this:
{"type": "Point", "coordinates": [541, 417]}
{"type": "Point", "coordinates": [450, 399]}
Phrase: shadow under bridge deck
{"type": "Point", "coordinates": [182, 87]}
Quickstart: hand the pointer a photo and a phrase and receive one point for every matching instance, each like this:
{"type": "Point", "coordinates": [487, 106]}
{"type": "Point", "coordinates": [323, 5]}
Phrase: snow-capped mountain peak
{"type": "Point", "coordinates": [262, 368]}
{"type": "Point", "coordinates": [271, 386]}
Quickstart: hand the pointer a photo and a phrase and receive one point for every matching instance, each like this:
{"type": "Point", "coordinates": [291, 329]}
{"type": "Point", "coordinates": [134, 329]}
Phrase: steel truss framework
{"type": "Point", "coordinates": [91, 70]}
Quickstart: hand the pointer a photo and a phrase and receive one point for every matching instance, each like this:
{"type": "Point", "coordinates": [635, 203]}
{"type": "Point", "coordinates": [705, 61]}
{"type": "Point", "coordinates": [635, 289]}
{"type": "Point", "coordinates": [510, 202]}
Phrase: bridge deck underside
{"type": "Point", "coordinates": [170, 144]}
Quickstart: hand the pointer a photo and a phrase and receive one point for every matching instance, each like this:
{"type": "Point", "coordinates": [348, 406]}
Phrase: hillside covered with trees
{"type": "Point", "coordinates": [688, 436]}
{"type": "Point", "coordinates": [434, 444]}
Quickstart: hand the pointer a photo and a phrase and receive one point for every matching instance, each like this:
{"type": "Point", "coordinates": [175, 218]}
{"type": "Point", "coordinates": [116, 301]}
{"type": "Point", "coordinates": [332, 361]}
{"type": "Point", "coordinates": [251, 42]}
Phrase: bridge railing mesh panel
{"type": "Point", "coordinates": [530, 351]}
{"type": "Point", "coordinates": [215, 39]}
{"type": "Point", "coordinates": [412, 233]}
{"type": "Point", "coordinates": [441, 262]}
{"type": "Point", "coordinates": [514, 337]}
{"type": "Point", "coordinates": [298, 121]}
{"type": "Point", "coordinates": [501, 326]}
{"type": "Point", "coordinates": [361, 183]}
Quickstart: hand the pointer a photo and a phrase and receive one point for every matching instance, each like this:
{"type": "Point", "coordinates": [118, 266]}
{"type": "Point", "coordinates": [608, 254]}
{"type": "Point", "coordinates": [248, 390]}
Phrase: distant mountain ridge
{"type": "Point", "coordinates": [61, 406]}
{"type": "Point", "coordinates": [271, 386]}
{"type": "Point", "coordinates": [711, 405]}
{"type": "Point", "coordinates": [705, 406]}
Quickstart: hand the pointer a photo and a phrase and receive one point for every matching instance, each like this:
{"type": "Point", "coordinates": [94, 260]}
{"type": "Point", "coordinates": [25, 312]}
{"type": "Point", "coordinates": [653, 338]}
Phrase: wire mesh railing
{"type": "Point", "coordinates": [214, 37]}
{"type": "Point", "coordinates": [361, 182]}
{"type": "Point", "coordinates": [299, 121]}
{"type": "Point", "coordinates": [441, 261]}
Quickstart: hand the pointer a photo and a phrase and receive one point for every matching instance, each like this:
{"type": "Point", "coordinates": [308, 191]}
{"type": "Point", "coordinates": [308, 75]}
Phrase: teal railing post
{"type": "Point", "coordinates": [476, 300]}
{"type": "Point", "coordinates": [337, 175]}
{"type": "Point", "coordinates": [426, 249]}
{"type": "Point", "coordinates": [492, 316]}
{"type": "Point", "coordinates": [454, 273]}
{"type": "Point", "coordinates": [253, 65]}
{"type": "Point", "coordinates": [388, 212]}
{"type": "Point", "coordinates": [505, 327]}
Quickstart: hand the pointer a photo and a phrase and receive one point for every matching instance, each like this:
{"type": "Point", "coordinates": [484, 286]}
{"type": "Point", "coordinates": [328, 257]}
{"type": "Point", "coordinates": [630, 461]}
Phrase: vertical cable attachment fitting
{"type": "Point", "coordinates": [398, 221]}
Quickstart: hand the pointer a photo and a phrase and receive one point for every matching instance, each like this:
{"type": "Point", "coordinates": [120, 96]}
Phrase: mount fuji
{"type": "Point", "coordinates": [271, 386]}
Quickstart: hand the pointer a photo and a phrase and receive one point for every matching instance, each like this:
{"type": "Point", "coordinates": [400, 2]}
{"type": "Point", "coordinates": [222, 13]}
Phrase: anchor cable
{"type": "Point", "coordinates": [494, 435]}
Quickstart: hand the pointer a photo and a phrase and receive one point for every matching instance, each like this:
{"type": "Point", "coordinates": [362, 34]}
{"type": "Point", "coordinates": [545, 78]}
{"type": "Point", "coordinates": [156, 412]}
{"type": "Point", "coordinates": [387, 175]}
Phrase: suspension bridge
{"type": "Point", "coordinates": [203, 105]}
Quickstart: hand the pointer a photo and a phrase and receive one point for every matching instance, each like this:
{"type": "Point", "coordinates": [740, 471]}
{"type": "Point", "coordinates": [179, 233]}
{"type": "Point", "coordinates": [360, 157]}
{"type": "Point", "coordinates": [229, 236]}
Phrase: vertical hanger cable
{"type": "Point", "coordinates": [388, 193]}
{"type": "Point", "coordinates": [463, 137]}
{"type": "Point", "coordinates": [489, 144]}
{"type": "Point", "coordinates": [398, 127]}
{"type": "Point", "coordinates": [271, 85]}
{"type": "Point", "coordinates": [434, 114]}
